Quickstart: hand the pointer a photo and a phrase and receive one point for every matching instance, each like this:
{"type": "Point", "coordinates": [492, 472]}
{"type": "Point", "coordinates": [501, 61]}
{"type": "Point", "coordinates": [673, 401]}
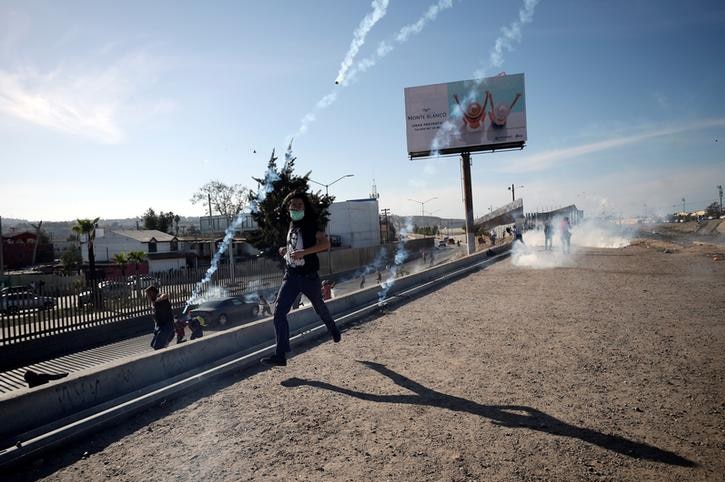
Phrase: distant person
{"type": "Point", "coordinates": [327, 286]}
{"type": "Point", "coordinates": [379, 277]}
{"type": "Point", "coordinates": [548, 235]}
{"type": "Point", "coordinates": [565, 232]}
{"type": "Point", "coordinates": [305, 239]}
{"type": "Point", "coordinates": [493, 237]}
{"type": "Point", "coordinates": [362, 281]}
{"type": "Point", "coordinates": [187, 321]}
{"type": "Point", "coordinates": [266, 310]}
{"type": "Point", "coordinates": [518, 235]}
{"type": "Point", "coordinates": [164, 328]}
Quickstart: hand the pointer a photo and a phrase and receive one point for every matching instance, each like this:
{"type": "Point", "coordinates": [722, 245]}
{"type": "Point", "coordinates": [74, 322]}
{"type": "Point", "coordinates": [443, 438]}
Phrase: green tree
{"type": "Point", "coordinates": [71, 258]}
{"type": "Point", "coordinates": [87, 228]}
{"type": "Point", "coordinates": [267, 210]}
{"type": "Point", "coordinates": [227, 200]}
{"type": "Point", "coordinates": [165, 222]}
{"type": "Point", "coordinates": [122, 260]}
{"type": "Point", "coordinates": [150, 219]}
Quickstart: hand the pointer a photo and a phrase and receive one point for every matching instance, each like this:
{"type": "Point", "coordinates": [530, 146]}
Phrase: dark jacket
{"type": "Point", "coordinates": [163, 315]}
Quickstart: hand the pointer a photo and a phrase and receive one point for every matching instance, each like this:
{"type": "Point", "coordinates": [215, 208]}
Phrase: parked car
{"type": "Point", "coordinates": [16, 289]}
{"type": "Point", "coordinates": [225, 310]}
{"type": "Point", "coordinates": [109, 290]}
{"type": "Point", "coordinates": [143, 281]}
{"type": "Point", "coordinates": [15, 302]}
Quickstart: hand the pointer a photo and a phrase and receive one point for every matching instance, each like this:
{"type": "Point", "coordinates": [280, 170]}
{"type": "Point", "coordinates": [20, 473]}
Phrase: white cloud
{"type": "Point", "coordinates": [552, 158]}
{"type": "Point", "coordinates": [85, 103]}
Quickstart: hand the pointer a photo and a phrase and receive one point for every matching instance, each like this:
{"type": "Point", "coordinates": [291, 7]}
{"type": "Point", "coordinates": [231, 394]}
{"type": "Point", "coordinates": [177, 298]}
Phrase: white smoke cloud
{"type": "Point", "coordinates": [588, 234]}
{"type": "Point", "coordinates": [379, 9]}
{"type": "Point", "coordinates": [401, 254]}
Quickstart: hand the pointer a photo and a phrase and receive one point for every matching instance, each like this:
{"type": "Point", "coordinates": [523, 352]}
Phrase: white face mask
{"type": "Point", "coordinates": [296, 215]}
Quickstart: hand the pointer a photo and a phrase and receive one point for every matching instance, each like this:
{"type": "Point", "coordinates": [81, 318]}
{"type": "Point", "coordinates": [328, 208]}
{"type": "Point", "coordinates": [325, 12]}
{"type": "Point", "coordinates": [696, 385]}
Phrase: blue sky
{"type": "Point", "coordinates": [108, 108]}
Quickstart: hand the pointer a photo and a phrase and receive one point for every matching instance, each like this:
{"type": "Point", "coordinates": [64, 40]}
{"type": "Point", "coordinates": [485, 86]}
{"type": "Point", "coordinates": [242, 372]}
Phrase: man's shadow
{"type": "Point", "coordinates": [504, 415]}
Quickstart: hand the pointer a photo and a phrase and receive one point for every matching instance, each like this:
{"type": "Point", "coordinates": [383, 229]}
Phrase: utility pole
{"type": "Point", "coordinates": [512, 188]}
{"type": "Point", "coordinates": [387, 227]}
{"type": "Point", "coordinates": [719, 191]}
{"type": "Point", "coordinates": [683, 205]}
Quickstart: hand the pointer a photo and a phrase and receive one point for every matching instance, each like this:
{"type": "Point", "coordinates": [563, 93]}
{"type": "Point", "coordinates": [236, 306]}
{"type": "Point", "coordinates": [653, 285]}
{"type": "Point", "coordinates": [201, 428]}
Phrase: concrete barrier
{"type": "Point", "coordinates": [30, 412]}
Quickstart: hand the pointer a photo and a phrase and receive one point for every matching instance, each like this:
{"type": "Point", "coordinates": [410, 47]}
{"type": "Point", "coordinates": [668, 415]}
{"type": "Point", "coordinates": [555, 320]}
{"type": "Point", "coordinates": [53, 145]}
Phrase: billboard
{"type": "Point", "coordinates": [466, 116]}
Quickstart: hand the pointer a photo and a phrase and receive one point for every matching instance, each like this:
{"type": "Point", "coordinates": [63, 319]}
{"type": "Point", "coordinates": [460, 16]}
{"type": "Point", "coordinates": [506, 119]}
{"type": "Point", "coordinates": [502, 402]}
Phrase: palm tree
{"type": "Point", "coordinates": [122, 260]}
{"type": "Point", "coordinates": [136, 257]}
{"type": "Point", "coordinates": [88, 227]}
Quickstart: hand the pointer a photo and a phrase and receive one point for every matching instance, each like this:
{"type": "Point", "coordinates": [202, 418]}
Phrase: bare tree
{"type": "Point", "coordinates": [227, 200]}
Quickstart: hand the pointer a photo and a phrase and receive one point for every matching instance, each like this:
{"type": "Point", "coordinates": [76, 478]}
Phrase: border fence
{"type": "Point", "coordinates": [31, 312]}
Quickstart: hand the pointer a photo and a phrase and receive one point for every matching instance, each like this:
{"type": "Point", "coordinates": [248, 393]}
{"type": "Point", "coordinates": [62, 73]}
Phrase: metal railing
{"type": "Point", "coordinates": [68, 306]}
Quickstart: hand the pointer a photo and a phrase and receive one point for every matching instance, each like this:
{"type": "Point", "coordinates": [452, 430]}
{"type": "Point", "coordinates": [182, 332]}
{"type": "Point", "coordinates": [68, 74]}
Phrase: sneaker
{"type": "Point", "coordinates": [180, 340]}
{"type": "Point", "coordinates": [196, 334]}
{"type": "Point", "coordinates": [336, 337]}
{"type": "Point", "coordinates": [274, 361]}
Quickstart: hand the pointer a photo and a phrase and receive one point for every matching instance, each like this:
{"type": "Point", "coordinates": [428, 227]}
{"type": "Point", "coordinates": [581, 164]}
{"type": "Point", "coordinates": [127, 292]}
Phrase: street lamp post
{"type": "Point", "coordinates": [327, 228]}
{"type": "Point", "coordinates": [512, 188]}
{"type": "Point", "coordinates": [327, 186]}
{"type": "Point", "coordinates": [422, 206]}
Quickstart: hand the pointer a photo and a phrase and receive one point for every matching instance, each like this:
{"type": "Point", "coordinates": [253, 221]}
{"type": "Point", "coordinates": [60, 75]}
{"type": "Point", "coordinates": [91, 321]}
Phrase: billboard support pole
{"type": "Point", "coordinates": [468, 201]}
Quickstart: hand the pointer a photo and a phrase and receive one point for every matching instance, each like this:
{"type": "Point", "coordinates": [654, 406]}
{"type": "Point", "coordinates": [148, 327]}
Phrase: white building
{"type": "Point", "coordinates": [219, 224]}
{"type": "Point", "coordinates": [161, 249]}
{"type": "Point", "coordinates": [356, 222]}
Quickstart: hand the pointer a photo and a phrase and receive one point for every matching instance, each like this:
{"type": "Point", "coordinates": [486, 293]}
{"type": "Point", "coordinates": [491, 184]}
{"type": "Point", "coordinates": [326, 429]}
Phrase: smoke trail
{"type": "Point", "coordinates": [400, 256]}
{"type": "Point", "coordinates": [384, 48]}
{"type": "Point", "coordinates": [268, 185]}
{"type": "Point", "coordinates": [510, 35]}
{"type": "Point", "coordinates": [379, 9]}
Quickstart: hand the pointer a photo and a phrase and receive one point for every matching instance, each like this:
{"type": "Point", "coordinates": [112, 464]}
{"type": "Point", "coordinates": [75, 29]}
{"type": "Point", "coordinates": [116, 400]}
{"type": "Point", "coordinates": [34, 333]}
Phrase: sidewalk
{"type": "Point", "coordinates": [599, 371]}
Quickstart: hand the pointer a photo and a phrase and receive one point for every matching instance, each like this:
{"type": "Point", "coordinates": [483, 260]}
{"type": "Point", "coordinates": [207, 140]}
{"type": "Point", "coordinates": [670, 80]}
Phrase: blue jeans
{"type": "Point", "coordinates": [292, 285]}
{"type": "Point", "coordinates": [162, 336]}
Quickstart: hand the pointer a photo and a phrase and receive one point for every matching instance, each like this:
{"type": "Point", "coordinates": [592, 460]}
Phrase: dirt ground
{"type": "Point", "coordinates": [610, 369]}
